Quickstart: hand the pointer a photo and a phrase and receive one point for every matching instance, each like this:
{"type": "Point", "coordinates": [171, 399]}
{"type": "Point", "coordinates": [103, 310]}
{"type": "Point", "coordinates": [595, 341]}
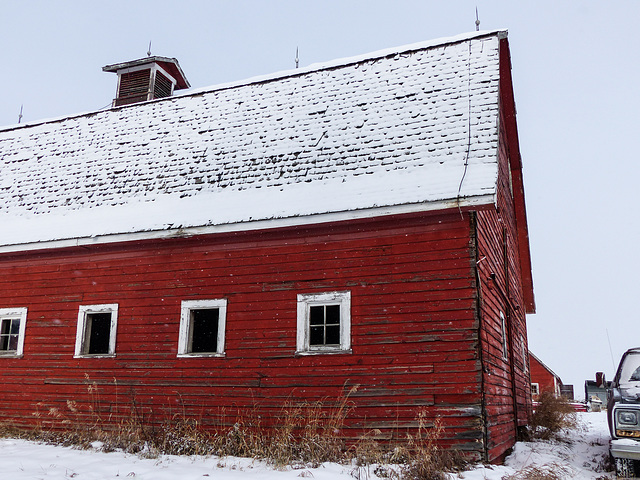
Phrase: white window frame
{"type": "Point", "coordinates": [186, 329]}
{"type": "Point", "coordinates": [307, 300]}
{"type": "Point", "coordinates": [13, 313]}
{"type": "Point", "coordinates": [81, 340]}
{"type": "Point", "coordinates": [535, 389]}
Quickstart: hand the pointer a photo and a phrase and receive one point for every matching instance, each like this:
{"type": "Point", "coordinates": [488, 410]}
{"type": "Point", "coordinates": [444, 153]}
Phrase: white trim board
{"type": "Point", "coordinates": [467, 202]}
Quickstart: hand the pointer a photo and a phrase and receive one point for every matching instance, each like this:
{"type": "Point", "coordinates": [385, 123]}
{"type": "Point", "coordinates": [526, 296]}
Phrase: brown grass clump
{"type": "Point", "coordinates": [302, 434]}
{"type": "Point", "coordinates": [308, 434]}
{"type": "Point", "coordinates": [552, 471]}
{"type": "Point", "coordinates": [425, 459]}
{"type": "Point", "coordinates": [552, 415]}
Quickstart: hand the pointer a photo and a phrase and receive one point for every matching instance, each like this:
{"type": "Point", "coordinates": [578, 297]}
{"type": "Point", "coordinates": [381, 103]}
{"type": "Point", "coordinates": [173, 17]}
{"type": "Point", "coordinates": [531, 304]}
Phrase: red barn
{"type": "Point", "coordinates": [360, 222]}
{"type": "Point", "coordinates": [543, 379]}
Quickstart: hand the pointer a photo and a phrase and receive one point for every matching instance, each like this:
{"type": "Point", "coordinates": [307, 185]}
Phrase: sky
{"type": "Point", "coordinates": [575, 66]}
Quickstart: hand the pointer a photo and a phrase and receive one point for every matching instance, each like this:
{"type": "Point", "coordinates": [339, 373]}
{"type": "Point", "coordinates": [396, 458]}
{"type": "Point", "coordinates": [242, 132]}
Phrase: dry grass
{"type": "Point", "coordinates": [553, 414]}
{"type": "Point", "coordinates": [426, 460]}
{"type": "Point", "coordinates": [301, 434]}
{"type": "Point", "coordinates": [551, 471]}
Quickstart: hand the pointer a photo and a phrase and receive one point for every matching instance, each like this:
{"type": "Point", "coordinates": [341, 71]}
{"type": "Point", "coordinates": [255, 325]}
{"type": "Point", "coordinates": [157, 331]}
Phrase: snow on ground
{"type": "Point", "coordinates": [579, 456]}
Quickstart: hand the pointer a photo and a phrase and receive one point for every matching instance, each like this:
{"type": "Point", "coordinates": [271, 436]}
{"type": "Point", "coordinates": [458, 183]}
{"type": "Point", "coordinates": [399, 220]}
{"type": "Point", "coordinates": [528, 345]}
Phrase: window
{"type": "Point", "coordinates": [535, 389]}
{"type": "Point", "coordinates": [504, 336]}
{"type": "Point", "coordinates": [96, 334]}
{"type": "Point", "coordinates": [202, 328]}
{"type": "Point", "coordinates": [12, 326]}
{"type": "Point", "coordinates": [324, 323]}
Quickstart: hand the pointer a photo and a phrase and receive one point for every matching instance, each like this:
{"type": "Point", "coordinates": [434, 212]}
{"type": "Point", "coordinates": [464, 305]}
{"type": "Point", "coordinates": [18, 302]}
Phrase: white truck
{"type": "Point", "coordinates": [623, 412]}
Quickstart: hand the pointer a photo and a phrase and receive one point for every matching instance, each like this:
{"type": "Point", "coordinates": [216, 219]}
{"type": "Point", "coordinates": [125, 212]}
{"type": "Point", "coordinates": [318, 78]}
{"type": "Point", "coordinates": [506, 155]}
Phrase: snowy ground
{"type": "Point", "coordinates": [579, 457]}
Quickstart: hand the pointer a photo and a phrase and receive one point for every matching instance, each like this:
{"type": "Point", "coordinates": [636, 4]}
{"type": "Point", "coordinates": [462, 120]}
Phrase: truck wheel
{"type": "Point", "coordinates": [625, 468]}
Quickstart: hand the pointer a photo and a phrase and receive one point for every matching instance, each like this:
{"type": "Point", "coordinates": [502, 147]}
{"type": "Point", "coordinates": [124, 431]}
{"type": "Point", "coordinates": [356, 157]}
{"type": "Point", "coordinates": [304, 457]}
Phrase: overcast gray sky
{"type": "Point", "coordinates": [576, 70]}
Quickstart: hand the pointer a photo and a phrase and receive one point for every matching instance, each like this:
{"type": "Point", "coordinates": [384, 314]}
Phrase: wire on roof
{"type": "Point", "coordinates": [466, 159]}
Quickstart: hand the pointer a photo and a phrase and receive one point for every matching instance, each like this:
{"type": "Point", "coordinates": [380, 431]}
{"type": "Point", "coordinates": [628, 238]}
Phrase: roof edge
{"type": "Point", "coordinates": [508, 111]}
{"type": "Point", "coordinates": [353, 60]}
{"type": "Point", "coordinates": [545, 366]}
{"type": "Point", "coordinates": [140, 61]}
{"type": "Point", "coordinates": [478, 202]}
{"type": "Point", "coordinates": [314, 67]}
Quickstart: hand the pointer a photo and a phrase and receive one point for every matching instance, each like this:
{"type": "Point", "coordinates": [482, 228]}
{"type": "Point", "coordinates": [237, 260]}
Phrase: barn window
{"type": "Point", "coordinates": [12, 326]}
{"type": "Point", "coordinates": [202, 328]}
{"type": "Point", "coordinates": [324, 322]}
{"type": "Point", "coordinates": [535, 389]}
{"type": "Point", "coordinates": [504, 336]}
{"type": "Point", "coordinates": [96, 332]}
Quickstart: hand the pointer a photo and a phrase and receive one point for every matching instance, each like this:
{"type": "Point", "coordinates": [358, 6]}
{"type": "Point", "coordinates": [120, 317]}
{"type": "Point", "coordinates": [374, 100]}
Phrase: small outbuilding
{"type": "Point", "coordinates": [543, 379]}
{"type": "Point", "coordinates": [596, 391]}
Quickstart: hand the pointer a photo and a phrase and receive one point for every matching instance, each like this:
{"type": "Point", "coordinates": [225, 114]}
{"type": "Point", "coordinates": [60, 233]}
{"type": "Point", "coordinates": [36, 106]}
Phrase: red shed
{"type": "Point", "coordinates": [543, 379]}
{"type": "Point", "coordinates": [360, 222]}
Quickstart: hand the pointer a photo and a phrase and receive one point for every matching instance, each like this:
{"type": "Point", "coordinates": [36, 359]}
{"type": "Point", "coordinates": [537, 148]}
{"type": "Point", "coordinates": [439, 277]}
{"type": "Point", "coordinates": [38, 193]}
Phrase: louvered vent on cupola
{"type": "Point", "coordinates": [147, 79]}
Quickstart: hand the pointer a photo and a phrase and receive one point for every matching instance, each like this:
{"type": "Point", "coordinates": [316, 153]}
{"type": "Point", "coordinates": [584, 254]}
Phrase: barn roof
{"type": "Point", "coordinates": [408, 129]}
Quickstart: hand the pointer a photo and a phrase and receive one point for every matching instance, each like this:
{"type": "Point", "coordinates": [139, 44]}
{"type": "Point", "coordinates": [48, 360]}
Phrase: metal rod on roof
{"type": "Point", "coordinates": [610, 351]}
{"type": "Point", "coordinates": [20, 116]}
{"type": "Point", "coordinates": [477, 21]}
{"type": "Point", "coordinates": [149, 51]}
{"type": "Point", "coordinates": [297, 59]}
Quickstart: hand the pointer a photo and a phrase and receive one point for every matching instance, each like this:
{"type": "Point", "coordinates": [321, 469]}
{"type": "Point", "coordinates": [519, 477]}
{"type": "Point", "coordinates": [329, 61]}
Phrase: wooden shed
{"type": "Point", "coordinates": [285, 238]}
{"type": "Point", "coordinates": [543, 379]}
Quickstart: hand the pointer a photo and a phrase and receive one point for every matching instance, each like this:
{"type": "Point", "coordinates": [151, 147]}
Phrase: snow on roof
{"type": "Point", "coordinates": [412, 128]}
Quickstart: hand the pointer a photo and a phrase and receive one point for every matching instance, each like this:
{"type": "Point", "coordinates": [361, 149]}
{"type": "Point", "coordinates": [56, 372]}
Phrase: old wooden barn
{"type": "Point", "coordinates": [543, 379]}
{"type": "Point", "coordinates": [285, 238]}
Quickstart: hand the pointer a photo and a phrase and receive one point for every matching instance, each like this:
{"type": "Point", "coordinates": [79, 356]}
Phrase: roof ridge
{"type": "Point", "coordinates": [346, 61]}
{"type": "Point", "coordinates": [314, 67]}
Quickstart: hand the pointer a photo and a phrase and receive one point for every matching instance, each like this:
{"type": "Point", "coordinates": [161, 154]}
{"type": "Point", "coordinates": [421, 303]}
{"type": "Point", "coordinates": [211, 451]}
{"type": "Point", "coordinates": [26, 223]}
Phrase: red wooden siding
{"type": "Point", "coordinates": [414, 325]}
{"type": "Point", "coordinates": [547, 381]}
{"type": "Point", "coordinates": [505, 382]}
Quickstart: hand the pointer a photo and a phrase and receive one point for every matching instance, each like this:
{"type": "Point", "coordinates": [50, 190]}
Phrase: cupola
{"type": "Point", "coordinates": [146, 79]}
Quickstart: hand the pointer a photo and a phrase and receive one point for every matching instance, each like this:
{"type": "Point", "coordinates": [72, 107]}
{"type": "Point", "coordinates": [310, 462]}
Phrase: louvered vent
{"type": "Point", "coordinates": [163, 87]}
{"type": "Point", "coordinates": [147, 79]}
{"type": "Point", "coordinates": [134, 87]}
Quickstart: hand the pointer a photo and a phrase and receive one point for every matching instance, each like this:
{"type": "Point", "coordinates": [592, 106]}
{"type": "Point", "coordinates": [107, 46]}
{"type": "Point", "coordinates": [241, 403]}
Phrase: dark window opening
{"type": "Point", "coordinates": [98, 333]}
{"type": "Point", "coordinates": [204, 330]}
{"type": "Point", "coordinates": [9, 332]}
{"type": "Point", "coordinates": [324, 325]}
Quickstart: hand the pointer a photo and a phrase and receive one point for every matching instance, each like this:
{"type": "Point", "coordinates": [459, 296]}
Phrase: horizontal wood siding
{"type": "Point", "coordinates": [414, 326]}
{"type": "Point", "coordinates": [546, 380]}
{"type": "Point", "coordinates": [506, 373]}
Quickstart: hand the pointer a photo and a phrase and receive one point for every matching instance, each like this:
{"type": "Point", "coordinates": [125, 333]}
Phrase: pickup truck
{"type": "Point", "coordinates": [623, 413]}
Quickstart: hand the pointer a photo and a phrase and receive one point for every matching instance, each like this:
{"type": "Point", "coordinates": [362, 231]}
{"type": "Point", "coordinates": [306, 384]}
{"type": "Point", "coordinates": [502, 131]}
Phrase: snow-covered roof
{"type": "Point", "coordinates": [413, 128]}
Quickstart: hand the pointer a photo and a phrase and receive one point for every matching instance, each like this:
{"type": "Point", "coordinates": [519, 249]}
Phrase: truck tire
{"type": "Point", "coordinates": [625, 468]}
